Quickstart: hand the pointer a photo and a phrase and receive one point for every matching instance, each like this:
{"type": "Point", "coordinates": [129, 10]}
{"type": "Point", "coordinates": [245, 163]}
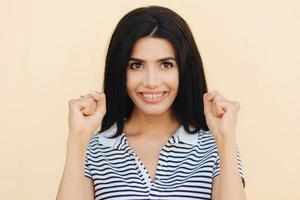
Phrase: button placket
{"type": "Point", "coordinates": [162, 162]}
{"type": "Point", "coordinates": [143, 170]}
{"type": "Point", "coordinates": [140, 165]}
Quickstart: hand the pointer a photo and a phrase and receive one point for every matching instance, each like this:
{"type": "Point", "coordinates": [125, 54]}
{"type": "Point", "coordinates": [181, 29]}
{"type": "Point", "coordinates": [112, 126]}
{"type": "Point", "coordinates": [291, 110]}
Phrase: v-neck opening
{"type": "Point", "coordinates": [158, 164]}
{"type": "Point", "coordinates": [138, 159]}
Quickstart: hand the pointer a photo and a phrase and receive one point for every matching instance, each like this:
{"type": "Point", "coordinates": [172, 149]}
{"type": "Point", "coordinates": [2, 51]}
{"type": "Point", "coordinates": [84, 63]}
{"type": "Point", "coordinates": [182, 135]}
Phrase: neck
{"type": "Point", "coordinates": [142, 124]}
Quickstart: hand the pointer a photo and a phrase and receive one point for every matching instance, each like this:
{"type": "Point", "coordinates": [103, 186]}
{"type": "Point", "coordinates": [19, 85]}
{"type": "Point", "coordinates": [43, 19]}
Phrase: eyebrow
{"type": "Point", "coordinates": [160, 60]}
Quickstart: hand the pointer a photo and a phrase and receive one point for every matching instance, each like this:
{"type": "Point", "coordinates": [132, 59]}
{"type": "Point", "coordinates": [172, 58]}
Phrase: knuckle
{"type": "Point", "coordinates": [88, 96]}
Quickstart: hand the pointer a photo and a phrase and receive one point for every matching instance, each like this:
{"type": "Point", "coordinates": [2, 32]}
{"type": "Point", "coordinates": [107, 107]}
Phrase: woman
{"type": "Point", "coordinates": [163, 136]}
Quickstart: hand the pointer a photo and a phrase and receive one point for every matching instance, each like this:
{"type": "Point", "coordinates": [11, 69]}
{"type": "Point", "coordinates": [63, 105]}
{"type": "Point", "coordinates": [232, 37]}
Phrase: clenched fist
{"type": "Point", "coordinates": [86, 114]}
{"type": "Point", "coordinates": [221, 114]}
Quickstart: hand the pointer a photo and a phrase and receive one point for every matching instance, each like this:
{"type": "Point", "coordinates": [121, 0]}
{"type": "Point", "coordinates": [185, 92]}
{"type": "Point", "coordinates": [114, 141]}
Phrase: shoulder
{"type": "Point", "coordinates": [206, 139]}
{"type": "Point", "coordinates": [103, 139]}
{"type": "Point", "coordinates": [203, 139]}
{"type": "Point", "coordinates": [206, 135]}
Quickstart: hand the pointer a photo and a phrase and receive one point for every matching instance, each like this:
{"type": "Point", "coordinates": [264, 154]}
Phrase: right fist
{"type": "Point", "coordinates": [86, 114]}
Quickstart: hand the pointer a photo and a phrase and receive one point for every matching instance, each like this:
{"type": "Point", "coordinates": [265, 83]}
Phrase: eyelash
{"type": "Point", "coordinates": [132, 64]}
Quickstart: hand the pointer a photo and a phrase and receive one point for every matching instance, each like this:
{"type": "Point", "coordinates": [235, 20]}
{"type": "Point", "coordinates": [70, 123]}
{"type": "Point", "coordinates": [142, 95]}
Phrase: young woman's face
{"type": "Point", "coordinates": [152, 76]}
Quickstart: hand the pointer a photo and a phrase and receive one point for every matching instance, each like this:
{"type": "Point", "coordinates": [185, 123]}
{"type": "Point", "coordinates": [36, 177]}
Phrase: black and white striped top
{"type": "Point", "coordinates": [187, 165]}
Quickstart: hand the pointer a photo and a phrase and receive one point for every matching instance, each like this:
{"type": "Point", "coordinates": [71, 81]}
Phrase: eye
{"type": "Point", "coordinates": [135, 65]}
{"type": "Point", "coordinates": [167, 64]}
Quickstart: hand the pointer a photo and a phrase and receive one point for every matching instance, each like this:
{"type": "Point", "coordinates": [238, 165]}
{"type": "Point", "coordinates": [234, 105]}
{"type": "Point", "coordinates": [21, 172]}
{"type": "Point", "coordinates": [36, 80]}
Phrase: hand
{"type": "Point", "coordinates": [221, 114]}
{"type": "Point", "coordinates": [86, 114]}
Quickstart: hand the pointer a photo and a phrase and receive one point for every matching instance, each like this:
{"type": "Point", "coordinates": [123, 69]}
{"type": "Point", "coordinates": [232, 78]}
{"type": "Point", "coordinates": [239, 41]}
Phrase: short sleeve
{"type": "Point", "coordinates": [216, 169]}
{"type": "Point", "coordinates": [87, 170]}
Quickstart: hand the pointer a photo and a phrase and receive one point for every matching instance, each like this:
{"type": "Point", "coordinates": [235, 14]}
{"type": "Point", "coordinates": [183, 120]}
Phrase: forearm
{"type": "Point", "coordinates": [230, 184]}
{"type": "Point", "coordinates": [71, 185]}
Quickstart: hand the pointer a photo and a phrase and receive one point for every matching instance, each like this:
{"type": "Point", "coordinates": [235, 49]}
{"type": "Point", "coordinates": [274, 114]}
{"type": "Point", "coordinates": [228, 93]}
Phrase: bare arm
{"type": "Point", "coordinates": [221, 116]}
{"type": "Point", "coordinates": [74, 185]}
{"type": "Point", "coordinates": [228, 186]}
{"type": "Point", "coordinates": [85, 116]}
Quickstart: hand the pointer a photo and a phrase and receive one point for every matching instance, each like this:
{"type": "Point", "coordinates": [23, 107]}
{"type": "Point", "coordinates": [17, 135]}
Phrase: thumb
{"type": "Point", "coordinates": [207, 103]}
{"type": "Point", "coordinates": [100, 101]}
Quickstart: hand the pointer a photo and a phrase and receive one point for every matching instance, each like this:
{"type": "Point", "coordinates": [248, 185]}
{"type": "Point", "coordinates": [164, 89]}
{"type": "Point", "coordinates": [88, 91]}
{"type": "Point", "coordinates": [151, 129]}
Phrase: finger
{"type": "Point", "coordinates": [76, 104]}
{"type": "Point", "coordinates": [96, 95]}
{"type": "Point", "coordinates": [207, 103]}
{"type": "Point", "coordinates": [88, 98]}
{"type": "Point", "coordinates": [208, 96]}
{"type": "Point", "coordinates": [100, 99]}
{"type": "Point", "coordinates": [220, 107]}
{"type": "Point", "coordinates": [209, 99]}
{"type": "Point", "coordinates": [213, 94]}
{"type": "Point", "coordinates": [229, 107]}
{"type": "Point", "coordinates": [86, 104]}
{"type": "Point", "coordinates": [89, 109]}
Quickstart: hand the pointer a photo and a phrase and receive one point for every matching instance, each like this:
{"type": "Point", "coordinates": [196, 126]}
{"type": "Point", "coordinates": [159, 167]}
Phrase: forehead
{"type": "Point", "coordinates": [150, 48]}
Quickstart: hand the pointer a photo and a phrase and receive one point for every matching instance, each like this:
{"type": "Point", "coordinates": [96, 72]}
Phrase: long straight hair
{"type": "Point", "coordinates": [158, 22]}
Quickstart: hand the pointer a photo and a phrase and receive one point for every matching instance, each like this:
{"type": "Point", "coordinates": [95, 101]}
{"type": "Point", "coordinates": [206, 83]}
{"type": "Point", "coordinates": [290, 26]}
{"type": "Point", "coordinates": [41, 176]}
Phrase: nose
{"type": "Point", "coordinates": [151, 79]}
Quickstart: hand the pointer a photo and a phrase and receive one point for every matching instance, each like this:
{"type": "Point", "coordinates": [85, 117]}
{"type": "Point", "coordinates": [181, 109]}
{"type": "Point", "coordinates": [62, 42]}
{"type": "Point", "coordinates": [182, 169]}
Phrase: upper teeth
{"type": "Point", "coordinates": [152, 96]}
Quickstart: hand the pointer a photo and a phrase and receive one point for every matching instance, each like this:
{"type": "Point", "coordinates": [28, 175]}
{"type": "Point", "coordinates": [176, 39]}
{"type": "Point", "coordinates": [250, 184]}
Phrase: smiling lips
{"type": "Point", "coordinates": [153, 97]}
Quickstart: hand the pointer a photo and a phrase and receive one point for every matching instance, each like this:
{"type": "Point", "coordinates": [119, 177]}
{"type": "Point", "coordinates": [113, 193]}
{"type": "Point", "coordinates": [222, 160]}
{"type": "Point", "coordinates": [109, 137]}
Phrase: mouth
{"type": "Point", "coordinates": [152, 97]}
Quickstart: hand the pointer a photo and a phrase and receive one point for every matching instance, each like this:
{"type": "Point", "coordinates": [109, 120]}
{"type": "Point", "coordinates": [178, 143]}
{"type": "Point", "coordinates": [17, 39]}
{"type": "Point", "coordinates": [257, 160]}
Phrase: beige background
{"type": "Point", "coordinates": [52, 51]}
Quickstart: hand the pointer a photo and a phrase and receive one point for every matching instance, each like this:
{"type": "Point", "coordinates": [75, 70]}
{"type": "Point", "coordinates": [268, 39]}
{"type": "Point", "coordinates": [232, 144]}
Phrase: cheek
{"type": "Point", "coordinates": [172, 80]}
{"type": "Point", "coordinates": [131, 82]}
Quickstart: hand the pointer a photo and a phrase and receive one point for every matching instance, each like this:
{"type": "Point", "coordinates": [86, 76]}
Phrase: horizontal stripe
{"type": "Point", "coordinates": [187, 166]}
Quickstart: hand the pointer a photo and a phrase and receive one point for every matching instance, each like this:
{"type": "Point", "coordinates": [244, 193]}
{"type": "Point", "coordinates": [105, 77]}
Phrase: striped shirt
{"type": "Point", "coordinates": [187, 165]}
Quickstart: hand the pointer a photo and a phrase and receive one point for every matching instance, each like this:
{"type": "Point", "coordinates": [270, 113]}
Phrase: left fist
{"type": "Point", "coordinates": [221, 114]}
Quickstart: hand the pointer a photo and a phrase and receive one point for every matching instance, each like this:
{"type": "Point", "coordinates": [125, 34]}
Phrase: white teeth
{"type": "Point", "coordinates": [152, 96]}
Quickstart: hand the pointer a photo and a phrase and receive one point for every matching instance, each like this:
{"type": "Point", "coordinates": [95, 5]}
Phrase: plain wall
{"type": "Point", "coordinates": [53, 51]}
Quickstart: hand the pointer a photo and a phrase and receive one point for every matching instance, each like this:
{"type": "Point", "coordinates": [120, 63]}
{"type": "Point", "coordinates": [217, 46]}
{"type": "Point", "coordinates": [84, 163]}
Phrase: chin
{"type": "Point", "coordinates": [153, 110]}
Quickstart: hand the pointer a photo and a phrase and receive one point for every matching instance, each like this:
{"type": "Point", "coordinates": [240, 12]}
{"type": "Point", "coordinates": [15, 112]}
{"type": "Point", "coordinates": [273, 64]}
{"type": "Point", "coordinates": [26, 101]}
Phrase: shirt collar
{"type": "Point", "coordinates": [121, 141]}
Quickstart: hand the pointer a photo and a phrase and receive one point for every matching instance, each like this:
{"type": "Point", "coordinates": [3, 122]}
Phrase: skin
{"type": "Point", "coordinates": [149, 125]}
{"type": "Point", "coordinates": [221, 117]}
{"type": "Point", "coordinates": [84, 117]}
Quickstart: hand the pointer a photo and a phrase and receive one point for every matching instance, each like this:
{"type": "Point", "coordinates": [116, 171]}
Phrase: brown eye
{"type": "Point", "coordinates": [135, 65]}
{"type": "Point", "coordinates": [167, 64]}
